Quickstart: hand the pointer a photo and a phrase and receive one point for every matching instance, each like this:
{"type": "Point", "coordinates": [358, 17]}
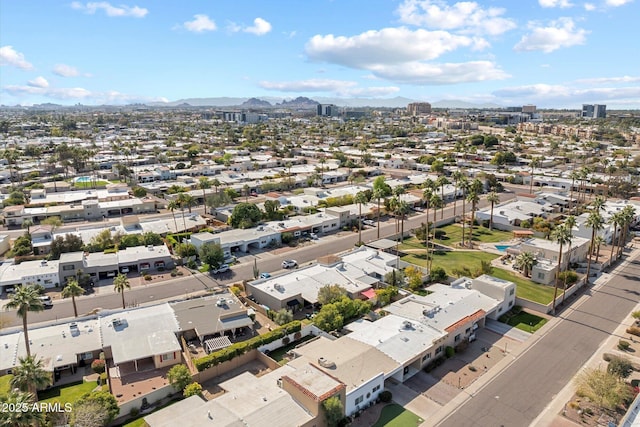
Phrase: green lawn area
{"type": "Point", "coordinates": [452, 260]}
{"type": "Point", "coordinates": [5, 386]}
{"type": "Point", "coordinates": [480, 235]}
{"type": "Point", "coordinates": [525, 321]}
{"type": "Point", "coordinates": [90, 184]}
{"type": "Point", "coordinates": [68, 393]}
{"type": "Point", "coordinates": [525, 288]}
{"type": "Point", "coordinates": [394, 415]}
{"type": "Point", "coordinates": [279, 353]}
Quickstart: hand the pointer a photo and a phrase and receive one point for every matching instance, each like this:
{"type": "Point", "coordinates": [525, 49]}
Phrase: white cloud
{"type": "Point", "coordinates": [260, 27]}
{"type": "Point", "coordinates": [564, 94]}
{"type": "Point", "coordinates": [589, 7]}
{"type": "Point", "coordinates": [75, 94]}
{"type": "Point", "coordinates": [560, 33]}
{"type": "Point", "coordinates": [440, 74]}
{"type": "Point", "coordinates": [112, 11]}
{"type": "Point", "coordinates": [338, 87]}
{"type": "Point", "coordinates": [386, 46]}
{"type": "Point", "coordinates": [555, 3]}
{"type": "Point", "coordinates": [64, 70]}
{"type": "Point", "coordinates": [617, 3]}
{"type": "Point", "coordinates": [610, 80]}
{"type": "Point", "coordinates": [39, 82]}
{"type": "Point", "coordinates": [200, 24]}
{"type": "Point", "coordinates": [9, 56]}
{"type": "Point", "coordinates": [466, 16]}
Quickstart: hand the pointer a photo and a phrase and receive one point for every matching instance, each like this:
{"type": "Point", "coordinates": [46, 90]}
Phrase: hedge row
{"type": "Point", "coordinates": [240, 348]}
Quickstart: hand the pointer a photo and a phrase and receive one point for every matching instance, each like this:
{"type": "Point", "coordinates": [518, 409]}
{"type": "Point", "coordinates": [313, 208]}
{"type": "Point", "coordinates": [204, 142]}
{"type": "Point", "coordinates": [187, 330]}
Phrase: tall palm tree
{"type": "Point", "coordinates": [441, 182]}
{"type": "Point", "coordinates": [73, 290]}
{"type": "Point", "coordinates": [464, 185]}
{"type": "Point", "coordinates": [26, 298]}
{"type": "Point", "coordinates": [21, 418]}
{"type": "Point", "coordinates": [570, 222]}
{"type": "Point", "coordinates": [30, 376]}
{"type": "Point", "coordinates": [562, 236]}
{"type": "Point", "coordinates": [380, 190]}
{"type": "Point", "coordinates": [457, 177]}
{"type": "Point", "coordinates": [526, 261]}
{"type": "Point", "coordinates": [360, 198]}
{"type": "Point", "coordinates": [575, 175]}
{"type": "Point", "coordinates": [436, 203]}
{"type": "Point", "coordinates": [596, 223]}
{"type": "Point", "coordinates": [615, 219]}
{"type": "Point", "coordinates": [535, 163]}
{"type": "Point", "coordinates": [492, 198]}
{"type": "Point", "coordinates": [27, 224]}
{"type": "Point", "coordinates": [216, 183]}
{"type": "Point", "coordinates": [628, 214]}
{"type": "Point", "coordinates": [120, 284]}
{"type": "Point", "coordinates": [426, 195]}
{"type": "Point", "coordinates": [473, 198]}
{"type": "Point", "coordinates": [402, 209]}
{"type": "Point", "coordinates": [172, 206]}
{"type": "Point", "coordinates": [204, 184]}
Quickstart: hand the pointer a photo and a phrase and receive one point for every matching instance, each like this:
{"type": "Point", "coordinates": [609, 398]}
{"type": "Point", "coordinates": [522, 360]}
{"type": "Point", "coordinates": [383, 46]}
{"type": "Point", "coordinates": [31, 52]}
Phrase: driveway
{"type": "Point", "coordinates": [411, 400]}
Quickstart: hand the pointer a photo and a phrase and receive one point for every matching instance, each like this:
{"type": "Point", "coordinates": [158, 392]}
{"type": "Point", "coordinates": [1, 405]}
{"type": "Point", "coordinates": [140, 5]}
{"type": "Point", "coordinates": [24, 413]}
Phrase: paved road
{"type": "Point", "coordinates": [266, 261]}
{"type": "Point", "coordinates": [520, 393]}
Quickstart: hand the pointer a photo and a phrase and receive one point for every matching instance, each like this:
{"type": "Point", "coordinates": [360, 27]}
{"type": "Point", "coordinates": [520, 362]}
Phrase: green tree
{"type": "Point", "coordinates": [204, 184]}
{"type": "Point", "coordinates": [30, 376]}
{"type": "Point", "coordinates": [561, 235]}
{"type": "Point", "coordinates": [73, 290]}
{"type": "Point", "coordinates": [381, 190]}
{"type": "Point", "coordinates": [212, 254]}
{"type": "Point", "coordinates": [120, 284]}
{"type": "Point", "coordinates": [245, 215]}
{"type": "Point", "coordinates": [20, 418]}
{"type": "Point", "coordinates": [329, 318]}
{"type": "Point", "coordinates": [330, 293]}
{"type": "Point", "coordinates": [95, 409]}
{"type": "Point", "coordinates": [414, 277]}
{"type": "Point", "coordinates": [192, 389]}
{"type": "Point", "coordinates": [179, 377]}
{"type": "Point", "coordinates": [525, 261]}
{"type": "Point", "coordinates": [26, 298]}
{"type": "Point", "coordinates": [283, 316]}
{"type": "Point", "coordinates": [22, 245]}
{"type": "Point", "coordinates": [333, 410]}
{"type": "Point", "coordinates": [185, 250]}
{"type": "Point", "coordinates": [27, 224]}
{"type": "Point", "coordinates": [53, 221]}
{"type": "Point", "coordinates": [172, 206]}
{"type": "Point", "coordinates": [535, 163]}
{"type": "Point", "coordinates": [360, 198]}
{"type": "Point", "coordinates": [271, 209]}
{"type": "Point", "coordinates": [492, 198]}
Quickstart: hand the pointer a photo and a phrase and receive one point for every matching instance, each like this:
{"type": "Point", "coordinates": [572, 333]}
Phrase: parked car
{"type": "Point", "coordinates": [265, 275]}
{"type": "Point", "coordinates": [313, 236]}
{"type": "Point", "coordinates": [289, 263]}
{"type": "Point", "coordinates": [46, 300]}
{"type": "Point", "coordinates": [124, 270]}
{"type": "Point", "coordinates": [369, 222]}
{"type": "Point", "coordinates": [222, 269]}
{"type": "Point", "coordinates": [10, 289]}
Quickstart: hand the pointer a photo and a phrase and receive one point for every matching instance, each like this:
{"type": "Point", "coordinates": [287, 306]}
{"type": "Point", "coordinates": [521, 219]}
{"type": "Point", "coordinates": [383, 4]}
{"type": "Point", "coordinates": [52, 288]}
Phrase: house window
{"type": "Point", "coordinates": [68, 267]}
{"type": "Point", "coordinates": [426, 357]}
{"type": "Point", "coordinates": [88, 355]}
{"type": "Point", "coordinates": [439, 350]}
{"type": "Point", "coordinates": [376, 388]}
{"type": "Point", "coordinates": [466, 331]}
{"type": "Point", "coordinates": [168, 356]}
{"type": "Point", "coordinates": [541, 276]}
{"type": "Point", "coordinates": [457, 338]}
{"type": "Point", "coordinates": [511, 291]}
{"type": "Point", "coordinates": [359, 400]}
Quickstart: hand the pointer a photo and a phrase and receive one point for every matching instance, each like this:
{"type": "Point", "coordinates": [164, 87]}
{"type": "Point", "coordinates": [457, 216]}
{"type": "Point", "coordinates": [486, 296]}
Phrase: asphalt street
{"type": "Point", "coordinates": [518, 394]}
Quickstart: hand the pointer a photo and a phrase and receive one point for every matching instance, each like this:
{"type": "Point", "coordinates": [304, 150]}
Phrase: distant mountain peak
{"type": "Point", "coordinates": [255, 103]}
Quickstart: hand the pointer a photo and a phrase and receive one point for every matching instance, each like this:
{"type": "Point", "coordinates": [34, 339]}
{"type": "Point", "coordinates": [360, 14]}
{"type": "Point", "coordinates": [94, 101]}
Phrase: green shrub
{"type": "Point", "coordinates": [449, 351]}
{"type": "Point", "coordinates": [192, 389]}
{"type": "Point", "coordinates": [134, 412]}
{"type": "Point", "coordinates": [620, 367]}
{"type": "Point", "coordinates": [147, 277]}
{"type": "Point", "coordinates": [624, 345]}
{"type": "Point", "coordinates": [385, 396]}
{"type": "Point", "coordinates": [98, 366]}
{"type": "Point", "coordinates": [439, 234]}
{"type": "Point", "coordinates": [240, 348]}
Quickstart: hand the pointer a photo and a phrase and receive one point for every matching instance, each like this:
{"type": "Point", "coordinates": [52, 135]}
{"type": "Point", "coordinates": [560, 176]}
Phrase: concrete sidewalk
{"type": "Point", "coordinates": [506, 330]}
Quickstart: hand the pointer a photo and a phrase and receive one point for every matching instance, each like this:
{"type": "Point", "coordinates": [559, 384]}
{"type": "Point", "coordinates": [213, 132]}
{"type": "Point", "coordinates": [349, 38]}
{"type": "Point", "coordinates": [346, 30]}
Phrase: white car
{"type": "Point", "coordinates": [313, 236]}
{"type": "Point", "coordinates": [289, 263]}
{"type": "Point", "coordinates": [124, 270]}
{"type": "Point", "coordinates": [46, 300]}
{"type": "Point", "coordinates": [222, 269]}
{"type": "Point", "coordinates": [369, 222]}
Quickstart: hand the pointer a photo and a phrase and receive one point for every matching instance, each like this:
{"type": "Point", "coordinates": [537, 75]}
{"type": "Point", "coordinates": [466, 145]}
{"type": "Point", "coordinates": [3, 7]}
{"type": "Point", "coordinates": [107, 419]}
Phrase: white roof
{"type": "Point", "coordinates": [27, 271]}
{"type": "Point", "coordinates": [142, 332]}
{"type": "Point", "coordinates": [138, 254]}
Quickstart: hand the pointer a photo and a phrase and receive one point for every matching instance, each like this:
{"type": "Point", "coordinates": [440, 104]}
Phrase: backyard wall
{"type": "Point", "coordinates": [152, 397]}
{"type": "Point", "coordinates": [547, 308]}
{"type": "Point", "coordinates": [225, 367]}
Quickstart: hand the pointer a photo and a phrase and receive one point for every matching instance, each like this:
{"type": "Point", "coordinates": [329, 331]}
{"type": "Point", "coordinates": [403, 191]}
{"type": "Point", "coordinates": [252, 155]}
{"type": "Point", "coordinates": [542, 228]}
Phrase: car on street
{"type": "Point", "coordinates": [265, 275]}
{"type": "Point", "coordinates": [289, 263]}
{"type": "Point", "coordinates": [313, 236]}
{"type": "Point", "coordinates": [46, 300]}
{"type": "Point", "coordinates": [369, 222]}
{"type": "Point", "coordinates": [221, 269]}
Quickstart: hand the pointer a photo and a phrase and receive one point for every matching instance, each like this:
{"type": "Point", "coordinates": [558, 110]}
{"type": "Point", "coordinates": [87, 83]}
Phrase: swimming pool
{"type": "Point", "coordinates": [502, 248]}
{"type": "Point", "coordinates": [82, 179]}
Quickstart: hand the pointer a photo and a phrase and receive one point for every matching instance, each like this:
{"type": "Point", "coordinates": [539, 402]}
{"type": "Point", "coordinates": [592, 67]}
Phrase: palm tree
{"type": "Point", "coordinates": [628, 214]}
{"type": "Point", "coordinates": [21, 418]}
{"type": "Point", "coordinates": [560, 235]}
{"type": "Point", "coordinates": [73, 290]}
{"type": "Point", "coordinates": [360, 199]}
{"type": "Point", "coordinates": [120, 284]}
{"type": "Point", "coordinates": [436, 203]}
{"type": "Point", "coordinates": [570, 222]}
{"type": "Point", "coordinates": [535, 163]}
{"type": "Point", "coordinates": [574, 175]}
{"type": "Point", "coordinates": [596, 223]}
{"type": "Point", "coordinates": [464, 185]}
{"type": "Point", "coordinates": [30, 376]}
{"type": "Point", "coordinates": [457, 177]}
{"type": "Point", "coordinates": [599, 241]}
{"type": "Point", "coordinates": [204, 184]}
{"type": "Point", "coordinates": [402, 209]}
{"type": "Point", "coordinates": [615, 219]}
{"type": "Point", "coordinates": [441, 182]}
{"type": "Point", "coordinates": [526, 261]}
{"type": "Point", "coordinates": [27, 224]}
{"type": "Point", "coordinates": [26, 298]}
{"type": "Point", "coordinates": [492, 198]}
{"type": "Point", "coordinates": [472, 198]}
{"type": "Point", "coordinates": [380, 190]}
{"type": "Point", "coordinates": [172, 206]}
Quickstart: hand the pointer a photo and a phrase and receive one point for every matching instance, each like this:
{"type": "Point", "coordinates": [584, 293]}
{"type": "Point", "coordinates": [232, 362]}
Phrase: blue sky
{"type": "Point", "coordinates": [552, 53]}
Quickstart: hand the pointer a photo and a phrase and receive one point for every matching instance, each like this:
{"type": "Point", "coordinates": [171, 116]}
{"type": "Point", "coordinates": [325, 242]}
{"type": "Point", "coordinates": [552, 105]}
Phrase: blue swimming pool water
{"type": "Point", "coordinates": [83, 179]}
{"type": "Point", "coordinates": [502, 248]}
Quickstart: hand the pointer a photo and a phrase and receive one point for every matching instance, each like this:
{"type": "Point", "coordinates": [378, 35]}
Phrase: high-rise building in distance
{"type": "Point", "coordinates": [418, 108]}
{"type": "Point", "coordinates": [594, 111]}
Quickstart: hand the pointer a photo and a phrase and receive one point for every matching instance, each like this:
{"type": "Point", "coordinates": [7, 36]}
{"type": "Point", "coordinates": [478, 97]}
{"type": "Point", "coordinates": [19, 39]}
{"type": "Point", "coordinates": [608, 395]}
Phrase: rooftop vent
{"type": "Point", "coordinates": [326, 363]}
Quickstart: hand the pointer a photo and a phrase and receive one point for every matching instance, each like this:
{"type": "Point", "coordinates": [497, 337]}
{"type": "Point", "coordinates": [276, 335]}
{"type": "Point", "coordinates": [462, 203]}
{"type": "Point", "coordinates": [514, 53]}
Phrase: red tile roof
{"type": "Point", "coordinates": [468, 319]}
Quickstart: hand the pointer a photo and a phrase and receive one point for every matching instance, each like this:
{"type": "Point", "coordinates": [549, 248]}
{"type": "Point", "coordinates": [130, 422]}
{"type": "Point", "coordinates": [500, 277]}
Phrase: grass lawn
{"type": "Point", "coordinates": [480, 235]}
{"type": "Point", "coordinates": [525, 288]}
{"type": "Point", "coordinates": [452, 260]}
{"type": "Point", "coordinates": [90, 184]}
{"type": "Point", "coordinates": [525, 321]}
{"type": "Point", "coordinates": [68, 393]}
{"type": "Point", "coordinates": [394, 415]}
{"type": "Point", "coordinates": [5, 386]}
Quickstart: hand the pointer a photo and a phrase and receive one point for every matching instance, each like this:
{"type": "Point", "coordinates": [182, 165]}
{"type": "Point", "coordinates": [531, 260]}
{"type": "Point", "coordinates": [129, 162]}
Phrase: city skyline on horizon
{"type": "Point", "coordinates": [551, 53]}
